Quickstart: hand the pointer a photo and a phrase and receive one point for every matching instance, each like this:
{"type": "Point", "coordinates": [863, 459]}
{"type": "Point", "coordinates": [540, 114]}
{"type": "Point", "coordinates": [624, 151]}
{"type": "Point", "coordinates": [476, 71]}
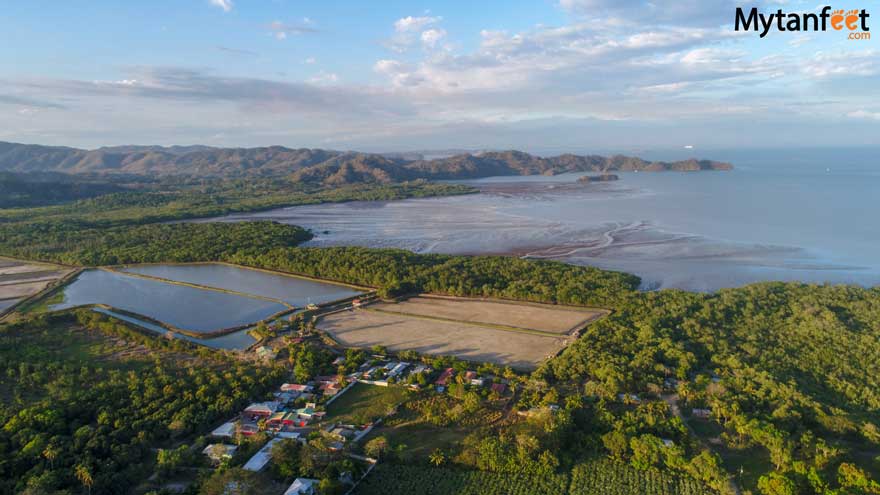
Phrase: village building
{"type": "Point", "coordinates": [261, 458]}
{"type": "Point", "coordinates": [330, 389]}
{"type": "Point", "coordinates": [248, 428]}
{"type": "Point", "coordinates": [266, 353]}
{"type": "Point", "coordinates": [303, 486]}
{"type": "Point", "coordinates": [398, 369]}
{"type": "Point", "coordinates": [444, 378]}
{"type": "Point", "coordinates": [262, 409]}
{"type": "Point", "coordinates": [701, 413]}
{"type": "Point", "coordinates": [499, 388]}
{"type": "Point", "coordinates": [296, 387]}
{"type": "Point", "coordinates": [225, 430]}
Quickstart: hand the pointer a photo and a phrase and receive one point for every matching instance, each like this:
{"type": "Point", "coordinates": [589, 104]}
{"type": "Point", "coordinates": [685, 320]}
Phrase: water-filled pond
{"type": "Point", "coordinates": [187, 308]}
{"type": "Point", "coordinates": [235, 340]}
{"type": "Point", "coordinates": [292, 290]}
{"type": "Point", "coordinates": [6, 303]}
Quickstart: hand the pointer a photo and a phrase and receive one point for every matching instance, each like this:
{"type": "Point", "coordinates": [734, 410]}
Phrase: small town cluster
{"type": "Point", "coordinates": [299, 411]}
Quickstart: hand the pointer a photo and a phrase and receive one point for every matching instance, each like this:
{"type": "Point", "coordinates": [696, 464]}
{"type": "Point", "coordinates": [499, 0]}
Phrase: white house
{"type": "Point", "coordinates": [262, 457]}
{"type": "Point", "coordinates": [303, 486]}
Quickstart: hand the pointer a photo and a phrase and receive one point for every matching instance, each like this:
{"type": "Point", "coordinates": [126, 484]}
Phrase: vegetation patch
{"type": "Point", "coordinates": [364, 403]}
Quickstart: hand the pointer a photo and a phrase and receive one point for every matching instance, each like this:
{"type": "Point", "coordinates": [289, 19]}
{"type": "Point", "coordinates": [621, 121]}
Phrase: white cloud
{"type": "Point", "coordinates": [322, 78]}
{"type": "Point", "coordinates": [412, 24]}
{"type": "Point", "coordinates": [824, 65]}
{"type": "Point", "coordinates": [281, 30]}
{"type": "Point", "coordinates": [864, 114]}
{"type": "Point", "coordinates": [226, 5]}
{"type": "Point", "coordinates": [431, 37]}
{"type": "Point", "coordinates": [310, 60]}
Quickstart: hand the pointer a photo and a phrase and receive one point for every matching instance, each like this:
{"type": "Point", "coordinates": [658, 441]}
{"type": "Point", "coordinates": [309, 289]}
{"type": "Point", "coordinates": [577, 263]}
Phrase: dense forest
{"type": "Point", "coordinates": [129, 227]}
{"type": "Point", "coordinates": [29, 190]}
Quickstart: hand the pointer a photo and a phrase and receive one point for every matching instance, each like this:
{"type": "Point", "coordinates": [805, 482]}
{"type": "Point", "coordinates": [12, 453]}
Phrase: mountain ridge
{"type": "Point", "coordinates": [314, 165]}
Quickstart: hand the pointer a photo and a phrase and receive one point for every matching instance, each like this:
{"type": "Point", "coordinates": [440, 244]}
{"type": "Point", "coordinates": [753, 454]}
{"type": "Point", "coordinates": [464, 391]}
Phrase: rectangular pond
{"type": "Point", "coordinates": [236, 340]}
{"type": "Point", "coordinates": [184, 307]}
{"type": "Point", "coordinates": [292, 290]}
{"type": "Point", "coordinates": [7, 303]}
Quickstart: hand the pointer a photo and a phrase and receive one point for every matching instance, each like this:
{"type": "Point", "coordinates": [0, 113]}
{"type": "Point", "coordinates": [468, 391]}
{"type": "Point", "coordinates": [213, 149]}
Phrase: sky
{"type": "Point", "coordinates": [389, 75]}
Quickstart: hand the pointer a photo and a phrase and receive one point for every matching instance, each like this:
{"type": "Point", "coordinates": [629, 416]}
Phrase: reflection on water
{"type": "Point", "coordinates": [787, 216]}
{"type": "Point", "coordinates": [292, 290]}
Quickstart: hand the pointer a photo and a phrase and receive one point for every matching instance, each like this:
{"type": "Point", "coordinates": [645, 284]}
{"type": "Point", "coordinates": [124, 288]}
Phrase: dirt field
{"type": "Point", "coordinates": [543, 317]}
{"type": "Point", "coordinates": [20, 279]}
{"type": "Point", "coordinates": [365, 328]}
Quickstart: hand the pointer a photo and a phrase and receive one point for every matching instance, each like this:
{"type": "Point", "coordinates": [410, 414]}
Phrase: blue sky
{"type": "Point", "coordinates": [564, 75]}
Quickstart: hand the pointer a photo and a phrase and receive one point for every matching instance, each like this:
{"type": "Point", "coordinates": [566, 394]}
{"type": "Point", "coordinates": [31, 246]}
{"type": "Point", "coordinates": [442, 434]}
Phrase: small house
{"type": "Point", "coordinates": [225, 430]}
{"type": "Point", "coordinates": [261, 458]}
{"type": "Point", "coordinates": [295, 387]}
{"type": "Point", "coordinates": [303, 486]}
{"type": "Point", "coordinates": [330, 389]}
{"type": "Point", "coordinates": [266, 353]}
{"type": "Point", "coordinates": [444, 378]}
{"type": "Point", "coordinates": [262, 409]}
{"type": "Point", "coordinates": [499, 388]}
{"type": "Point", "coordinates": [398, 369]}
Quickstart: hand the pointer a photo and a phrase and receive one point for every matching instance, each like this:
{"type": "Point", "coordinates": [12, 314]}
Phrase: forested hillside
{"type": "Point", "coordinates": [315, 166]}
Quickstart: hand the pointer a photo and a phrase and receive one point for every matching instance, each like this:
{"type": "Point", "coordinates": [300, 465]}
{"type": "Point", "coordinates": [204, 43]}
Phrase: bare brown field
{"type": "Point", "coordinates": [20, 279]}
{"type": "Point", "coordinates": [469, 341]}
{"type": "Point", "coordinates": [534, 316]}
{"type": "Point", "coordinates": [22, 290]}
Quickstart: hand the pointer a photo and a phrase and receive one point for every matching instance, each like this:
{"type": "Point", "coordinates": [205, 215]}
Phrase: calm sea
{"type": "Point", "coordinates": [805, 215]}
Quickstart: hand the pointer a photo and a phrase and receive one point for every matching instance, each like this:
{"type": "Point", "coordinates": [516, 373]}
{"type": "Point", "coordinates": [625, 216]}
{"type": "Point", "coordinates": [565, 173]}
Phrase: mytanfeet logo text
{"type": "Point", "coordinates": [852, 21]}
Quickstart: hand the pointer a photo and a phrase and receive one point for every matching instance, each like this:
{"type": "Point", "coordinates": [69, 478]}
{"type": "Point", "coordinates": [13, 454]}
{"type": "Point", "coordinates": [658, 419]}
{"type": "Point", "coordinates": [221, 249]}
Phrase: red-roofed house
{"type": "Point", "coordinates": [265, 409]}
{"type": "Point", "coordinates": [499, 388]}
{"type": "Point", "coordinates": [445, 377]}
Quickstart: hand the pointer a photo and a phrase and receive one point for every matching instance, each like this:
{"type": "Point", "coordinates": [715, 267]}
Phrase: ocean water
{"type": "Point", "coordinates": [793, 215]}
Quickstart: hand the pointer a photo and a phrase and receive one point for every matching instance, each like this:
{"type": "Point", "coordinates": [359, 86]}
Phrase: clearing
{"type": "Point", "coordinates": [520, 335]}
{"type": "Point", "coordinates": [534, 316]}
{"type": "Point", "coordinates": [364, 403]}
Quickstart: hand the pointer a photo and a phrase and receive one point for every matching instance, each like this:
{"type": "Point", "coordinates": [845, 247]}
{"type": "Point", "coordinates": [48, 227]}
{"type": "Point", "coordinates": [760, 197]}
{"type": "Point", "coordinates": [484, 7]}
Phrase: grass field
{"type": "Point", "coordinates": [365, 403]}
{"type": "Point", "coordinates": [541, 317]}
{"type": "Point", "coordinates": [365, 328]}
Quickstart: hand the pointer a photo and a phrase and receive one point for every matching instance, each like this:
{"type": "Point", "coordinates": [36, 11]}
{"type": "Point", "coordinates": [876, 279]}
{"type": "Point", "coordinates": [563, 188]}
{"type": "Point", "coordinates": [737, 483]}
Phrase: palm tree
{"type": "Point", "coordinates": [50, 453]}
{"type": "Point", "coordinates": [84, 475]}
{"type": "Point", "coordinates": [437, 457]}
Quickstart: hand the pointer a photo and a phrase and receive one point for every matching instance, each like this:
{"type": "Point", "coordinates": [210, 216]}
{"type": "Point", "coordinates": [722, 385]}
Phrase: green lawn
{"type": "Point", "coordinates": [419, 438]}
{"type": "Point", "coordinates": [365, 403]}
